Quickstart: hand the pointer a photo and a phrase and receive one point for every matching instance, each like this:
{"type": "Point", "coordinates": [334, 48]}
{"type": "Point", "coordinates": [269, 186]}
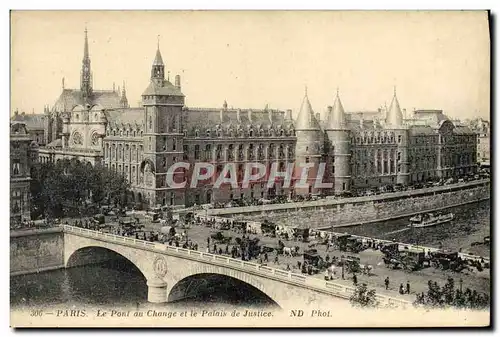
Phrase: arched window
{"type": "Point", "coordinates": [208, 134]}
{"type": "Point", "coordinates": [251, 133]}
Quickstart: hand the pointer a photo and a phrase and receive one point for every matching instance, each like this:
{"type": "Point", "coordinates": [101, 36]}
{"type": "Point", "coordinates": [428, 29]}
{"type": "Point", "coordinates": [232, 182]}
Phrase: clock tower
{"type": "Point", "coordinates": [86, 73]}
{"type": "Point", "coordinates": [163, 104]}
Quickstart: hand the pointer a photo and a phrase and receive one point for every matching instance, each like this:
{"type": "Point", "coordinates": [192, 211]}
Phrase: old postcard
{"type": "Point", "coordinates": [250, 168]}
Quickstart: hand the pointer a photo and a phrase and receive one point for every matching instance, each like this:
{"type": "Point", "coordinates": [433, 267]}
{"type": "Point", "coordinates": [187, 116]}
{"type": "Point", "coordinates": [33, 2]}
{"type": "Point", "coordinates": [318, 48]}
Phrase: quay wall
{"type": "Point", "coordinates": [326, 213]}
{"type": "Point", "coordinates": [34, 251]}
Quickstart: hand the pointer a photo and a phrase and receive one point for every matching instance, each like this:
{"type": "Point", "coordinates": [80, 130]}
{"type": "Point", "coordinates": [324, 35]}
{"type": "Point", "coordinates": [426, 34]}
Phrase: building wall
{"type": "Point", "coordinates": [36, 251]}
{"type": "Point", "coordinates": [20, 163]}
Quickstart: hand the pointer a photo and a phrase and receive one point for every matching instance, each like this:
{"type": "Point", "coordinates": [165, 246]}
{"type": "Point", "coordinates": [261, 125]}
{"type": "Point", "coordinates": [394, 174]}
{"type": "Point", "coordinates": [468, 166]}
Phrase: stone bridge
{"type": "Point", "coordinates": [174, 273]}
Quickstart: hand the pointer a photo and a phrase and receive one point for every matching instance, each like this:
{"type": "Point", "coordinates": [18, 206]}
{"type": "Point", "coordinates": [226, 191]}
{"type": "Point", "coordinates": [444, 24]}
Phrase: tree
{"type": "Point", "coordinates": [363, 297]}
{"type": "Point", "coordinates": [66, 187]}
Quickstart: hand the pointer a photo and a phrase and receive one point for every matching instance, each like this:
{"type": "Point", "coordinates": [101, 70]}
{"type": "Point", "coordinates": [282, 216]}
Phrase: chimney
{"type": "Point", "coordinates": [221, 116]}
{"type": "Point", "coordinates": [178, 81]}
{"type": "Point", "coordinates": [250, 115]}
{"type": "Point", "coordinates": [288, 115]}
{"type": "Point", "coordinates": [113, 86]}
{"type": "Point", "coordinates": [238, 117]}
{"type": "Point", "coordinates": [404, 114]}
{"type": "Point", "coordinates": [270, 114]}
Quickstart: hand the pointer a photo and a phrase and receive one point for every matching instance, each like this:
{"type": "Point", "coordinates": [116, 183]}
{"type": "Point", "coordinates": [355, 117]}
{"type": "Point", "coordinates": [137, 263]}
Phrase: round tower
{"type": "Point", "coordinates": [308, 149]}
{"type": "Point", "coordinates": [394, 123]}
{"type": "Point", "coordinates": [340, 147]}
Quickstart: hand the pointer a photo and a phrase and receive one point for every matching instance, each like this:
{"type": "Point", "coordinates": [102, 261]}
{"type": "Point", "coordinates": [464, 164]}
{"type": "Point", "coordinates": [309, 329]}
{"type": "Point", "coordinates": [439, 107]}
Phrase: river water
{"type": "Point", "coordinates": [471, 224]}
{"type": "Point", "coordinates": [120, 284]}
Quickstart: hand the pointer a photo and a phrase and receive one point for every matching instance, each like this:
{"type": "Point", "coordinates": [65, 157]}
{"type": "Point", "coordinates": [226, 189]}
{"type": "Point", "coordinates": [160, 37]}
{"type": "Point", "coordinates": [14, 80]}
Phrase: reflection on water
{"type": "Point", "coordinates": [121, 284]}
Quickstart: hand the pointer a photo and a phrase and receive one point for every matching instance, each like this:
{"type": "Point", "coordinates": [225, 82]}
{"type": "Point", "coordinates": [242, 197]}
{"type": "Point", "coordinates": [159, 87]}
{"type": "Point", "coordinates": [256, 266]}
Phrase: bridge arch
{"type": "Point", "coordinates": [231, 288]}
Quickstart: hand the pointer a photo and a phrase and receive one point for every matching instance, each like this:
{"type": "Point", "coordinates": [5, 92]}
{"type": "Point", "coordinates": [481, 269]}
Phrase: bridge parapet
{"type": "Point", "coordinates": [312, 283]}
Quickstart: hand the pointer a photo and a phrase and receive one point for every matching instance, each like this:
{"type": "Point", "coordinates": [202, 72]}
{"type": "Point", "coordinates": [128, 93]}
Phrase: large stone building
{"type": "Point", "coordinates": [35, 124]}
{"type": "Point", "coordinates": [360, 150]}
{"type": "Point", "coordinates": [482, 129]}
{"type": "Point", "coordinates": [19, 172]}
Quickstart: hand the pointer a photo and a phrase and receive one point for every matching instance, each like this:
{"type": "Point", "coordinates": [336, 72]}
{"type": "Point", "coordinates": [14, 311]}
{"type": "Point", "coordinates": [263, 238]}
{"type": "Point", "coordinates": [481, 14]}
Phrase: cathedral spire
{"type": "Point", "coordinates": [86, 46]}
{"type": "Point", "coordinates": [123, 99]}
{"type": "Point", "coordinates": [86, 74]}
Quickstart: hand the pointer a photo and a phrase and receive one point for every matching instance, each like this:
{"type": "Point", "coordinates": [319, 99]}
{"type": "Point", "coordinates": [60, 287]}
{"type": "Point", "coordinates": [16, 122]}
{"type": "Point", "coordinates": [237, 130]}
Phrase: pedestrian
{"type": "Point", "coordinates": [407, 287]}
{"type": "Point", "coordinates": [299, 264]}
{"type": "Point", "coordinates": [386, 283]}
{"type": "Point", "coordinates": [401, 289]}
{"type": "Point", "coordinates": [355, 280]}
{"type": "Point", "coordinates": [220, 251]}
{"type": "Point", "coordinates": [276, 259]}
{"type": "Point", "coordinates": [266, 258]}
{"type": "Point", "coordinates": [288, 267]}
{"type": "Point", "coordinates": [327, 258]}
{"type": "Point", "coordinates": [215, 248]}
{"type": "Point", "coordinates": [208, 241]}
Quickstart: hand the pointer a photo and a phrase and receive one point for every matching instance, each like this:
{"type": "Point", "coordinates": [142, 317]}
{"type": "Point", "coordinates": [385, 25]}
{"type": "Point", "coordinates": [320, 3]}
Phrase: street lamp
{"type": "Point", "coordinates": [343, 262]}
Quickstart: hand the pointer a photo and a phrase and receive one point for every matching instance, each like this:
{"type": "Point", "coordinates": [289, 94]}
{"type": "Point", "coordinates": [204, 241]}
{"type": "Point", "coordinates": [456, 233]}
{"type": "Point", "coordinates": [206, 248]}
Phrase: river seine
{"type": "Point", "coordinates": [123, 285]}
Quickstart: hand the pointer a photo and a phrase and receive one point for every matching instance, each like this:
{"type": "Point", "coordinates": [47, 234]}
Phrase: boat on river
{"type": "Point", "coordinates": [430, 219]}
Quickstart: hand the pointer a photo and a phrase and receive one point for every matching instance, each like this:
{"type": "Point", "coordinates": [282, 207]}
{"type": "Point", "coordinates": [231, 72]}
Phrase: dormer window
{"type": "Point", "coordinates": [208, 133]}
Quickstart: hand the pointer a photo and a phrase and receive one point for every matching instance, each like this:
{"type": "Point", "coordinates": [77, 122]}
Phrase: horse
{"type": "Point", "coordinates": [290, 251]}
{"type": "Point", "coordinates": [366, 269]}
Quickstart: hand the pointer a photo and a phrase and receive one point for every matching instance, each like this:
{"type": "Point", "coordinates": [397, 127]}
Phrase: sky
{"type": "Point", "coordinates": [436, 60]}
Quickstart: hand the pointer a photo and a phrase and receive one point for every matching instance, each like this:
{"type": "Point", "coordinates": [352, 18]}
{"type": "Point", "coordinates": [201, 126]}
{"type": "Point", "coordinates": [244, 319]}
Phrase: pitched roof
{"type": "Point", "coordinates": [207, 118]}
{"type": "Point", "coordinates": [158, 59]}
{"type": "Point", "coordinates": [166, 89]}
{"type": "Point", "coordinates": [394, 115]}
{"type": "Point", "coordinates": [70, 98]}
{"type": "Point", "coordinates": [336, 117]}
{"type": "Point", "coordinates": [132, 116]}
{"type": "Point", "coordinates": [421, 130]}
{"type": "Point", "coordinates": [462, 130]}
{"type": "Point", "coordinates": [33, 121]}
{"type": "Point", "coordinates": [306, 119]}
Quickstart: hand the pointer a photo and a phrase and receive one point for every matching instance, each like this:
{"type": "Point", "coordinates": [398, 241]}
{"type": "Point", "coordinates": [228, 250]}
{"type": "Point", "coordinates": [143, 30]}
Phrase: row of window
{"type": "Point", "coordinates": [379, 138]}
{"type": "Point", "coordinates": [239, 152]}
{"type": "Point", "coordinates": [123, 152]}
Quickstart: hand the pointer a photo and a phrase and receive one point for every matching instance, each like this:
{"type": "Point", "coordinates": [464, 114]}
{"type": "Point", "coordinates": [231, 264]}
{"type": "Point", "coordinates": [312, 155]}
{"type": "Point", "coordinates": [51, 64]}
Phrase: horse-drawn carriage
{"type": "Point", "coordinates": [268, 228]}
{"type": "Point", "coordinates": [448, 261]}
{"type": "Point", "coordinates": [313, 262]}
{"type": "Point", "coordinates": [348, 243]}
{"type": "Point", "coordinates": [220, 238]}
{"type": "Point", "coordinates": [407, 259]}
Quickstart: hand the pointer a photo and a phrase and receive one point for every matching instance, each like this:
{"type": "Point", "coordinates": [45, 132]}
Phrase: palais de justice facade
{"type": "Point", "coordinates": [360, 150]}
